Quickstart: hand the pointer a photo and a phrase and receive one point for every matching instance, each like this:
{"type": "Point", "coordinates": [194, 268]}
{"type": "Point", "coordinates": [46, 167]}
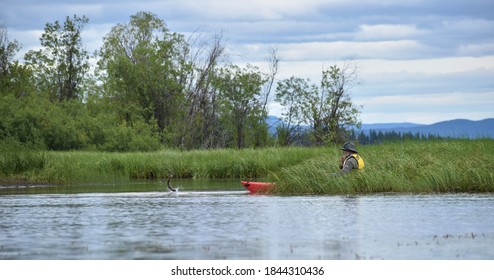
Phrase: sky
{"type": "Point", "coordinates": [419, 61]}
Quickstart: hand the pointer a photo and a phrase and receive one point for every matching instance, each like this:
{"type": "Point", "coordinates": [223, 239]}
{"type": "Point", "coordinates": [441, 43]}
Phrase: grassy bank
{"type": "Point", "coordinates": [412, 167]}
{"type": "Point", "coordinates": [80, 166]}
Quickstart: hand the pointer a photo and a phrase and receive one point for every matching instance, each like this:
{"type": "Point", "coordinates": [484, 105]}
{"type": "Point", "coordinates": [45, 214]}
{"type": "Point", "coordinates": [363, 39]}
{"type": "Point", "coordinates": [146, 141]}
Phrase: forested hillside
{"type": "Point", "coordinates": [460, 128]}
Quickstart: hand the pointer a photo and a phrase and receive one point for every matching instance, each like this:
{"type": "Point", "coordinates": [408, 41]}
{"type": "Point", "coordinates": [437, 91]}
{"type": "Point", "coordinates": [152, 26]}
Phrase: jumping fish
{"type": "Point", "coordinates": [169, 184]}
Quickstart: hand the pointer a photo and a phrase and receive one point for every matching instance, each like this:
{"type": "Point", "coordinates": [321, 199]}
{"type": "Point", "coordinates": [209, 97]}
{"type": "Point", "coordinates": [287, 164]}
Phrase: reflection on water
{"type": "Point", "coordinates": [234, 225]}
{"type": "Point", "coordinates": [133, 186]}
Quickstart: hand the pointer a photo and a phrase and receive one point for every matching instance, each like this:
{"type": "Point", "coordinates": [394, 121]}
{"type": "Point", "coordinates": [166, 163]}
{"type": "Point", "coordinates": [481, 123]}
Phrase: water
{"type": "Point", "coordinates": [230, 224]}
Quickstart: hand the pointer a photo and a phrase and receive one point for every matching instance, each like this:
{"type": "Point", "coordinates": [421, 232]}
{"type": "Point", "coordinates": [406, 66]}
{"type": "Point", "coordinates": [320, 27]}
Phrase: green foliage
{"type": "Point", "coordinates": [8, 49]}
{"type": "Point", "coordinates": [291, 93]}
{"type": "Point", "coordinates": [327, 109]}
{"type": "Point", "coordinates": [69, 125]}
{"type": "Point", "coordinates": [142, 61]}
{"type": "Point", "coordinates": [124, 138]}
{"type": "Point", "coordinates": [21, 120]}
{"type": "Point", "coordinates": [20, 160]}
{"type": "Point", "coordinates": [60, 67]}
{"type": "Point", "coordinates": [14, 77]}
{"type": "Point", "coordinates": [239, 91]}
{"type": "Point", "coordinates": [153, 88]}
{"type": "Point", "coordinates": [83, 166]}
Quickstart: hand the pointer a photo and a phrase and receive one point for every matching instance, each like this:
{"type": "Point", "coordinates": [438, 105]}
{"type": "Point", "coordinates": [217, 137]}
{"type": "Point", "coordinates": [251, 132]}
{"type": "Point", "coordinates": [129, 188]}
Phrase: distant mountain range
{"type": "Point", "coordinates": [459, 128]}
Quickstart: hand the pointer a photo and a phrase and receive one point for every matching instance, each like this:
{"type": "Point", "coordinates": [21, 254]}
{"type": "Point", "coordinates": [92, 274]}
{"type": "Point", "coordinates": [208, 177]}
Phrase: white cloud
{"type": "Point", "coordinates": [275, 109]}
{"type": "Point", "coordinates": [431, 100]}
{"type": "Point", "coordinates": [427, 108]}
{"type": "Point", "coordinates": [476, 49]}
{"type": "Point", "coordinates": [93, 36]}
{"type": "Point", "coordinates": [416, 91]}
{"type": "Point", "coordinates": [386, 32]}
{"type": "Point", "coordinates": [29, 39]}
{"type": "Point", "coordinates": [252, 10]}
{"type": "Point", "coordinates": [380, 73]}
{"type": "Point", "coordinates": [69, 9]}
{"type": "Point", "coordinates": [468, 26]}
{"type": "Point", "coordinates": [429, 66]}
{"type": "Point", "coordinates": [320, 51]}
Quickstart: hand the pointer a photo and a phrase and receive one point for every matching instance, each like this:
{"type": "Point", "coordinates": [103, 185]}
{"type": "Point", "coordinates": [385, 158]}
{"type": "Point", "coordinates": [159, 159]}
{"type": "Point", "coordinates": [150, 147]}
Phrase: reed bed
{"type": "Point", "coordinates": [82, 166]}
{"type": "Point", "coordinates": [406, 167]}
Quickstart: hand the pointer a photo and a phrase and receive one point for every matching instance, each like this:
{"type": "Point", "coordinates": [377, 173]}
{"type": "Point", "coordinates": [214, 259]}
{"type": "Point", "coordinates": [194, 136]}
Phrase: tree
{"type": "Point", "coordinates": [327, 109]}
{"type": "Point", "coordinates": [239, 90]}
{"type": "Point", "coordinates": [291, 93]}
{"type": "Point", "coordinates": [14, 76]}
{"type": "Point", "coordinates": [60, 66]}
{"type": "Point", "coordinates": [333, 111]}
{"type": "Point", "coordinates": [201, 129]}
{"type": "Point", "coordinates": [261, 129]}
{"type": "Point", "coordinates": [7, 51]}
{"type": "Point", "coordinates": [143, 65]}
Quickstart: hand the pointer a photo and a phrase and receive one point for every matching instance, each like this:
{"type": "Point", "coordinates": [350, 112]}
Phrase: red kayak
{"type": "Point", "coordinates": [258, 187]}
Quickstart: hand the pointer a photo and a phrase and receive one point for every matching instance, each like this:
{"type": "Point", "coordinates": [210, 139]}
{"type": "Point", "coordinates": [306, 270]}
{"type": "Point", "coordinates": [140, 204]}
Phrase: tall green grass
{"type": "Point", "coordinates": [408, 167]}
{"type": "Point", "coordinates": [83, 166]}
{"type": "Point", "coordinates": [19, 162]}
{"type": "Point", "coordinates": [411, 167]}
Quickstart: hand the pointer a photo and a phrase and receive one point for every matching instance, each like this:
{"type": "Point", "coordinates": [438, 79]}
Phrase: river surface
{"type": "Point", "coordinates": [146, 222]}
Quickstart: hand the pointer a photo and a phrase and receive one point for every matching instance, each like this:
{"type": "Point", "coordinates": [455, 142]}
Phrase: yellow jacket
{"type": "Point", "coordinates": [353, 161]}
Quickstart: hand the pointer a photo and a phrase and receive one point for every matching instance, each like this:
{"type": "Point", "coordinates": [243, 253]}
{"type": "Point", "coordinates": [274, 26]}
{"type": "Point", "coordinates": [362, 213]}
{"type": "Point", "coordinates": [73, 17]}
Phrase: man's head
{"type": "Point", "coordinates": [349, 147]}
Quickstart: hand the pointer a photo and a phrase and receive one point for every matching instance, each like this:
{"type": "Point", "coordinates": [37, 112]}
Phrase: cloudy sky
{"type": "Point", "coordinates": [419, 61]}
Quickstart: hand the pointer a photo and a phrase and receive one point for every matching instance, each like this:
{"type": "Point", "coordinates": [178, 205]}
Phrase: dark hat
{"type": "Point", "coordinates": [349, 146]}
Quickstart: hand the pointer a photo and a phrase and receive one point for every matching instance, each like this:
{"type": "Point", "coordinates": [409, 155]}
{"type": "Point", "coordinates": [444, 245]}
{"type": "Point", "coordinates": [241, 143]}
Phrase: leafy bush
{"type": "Point", "coordinates": [68, 125]}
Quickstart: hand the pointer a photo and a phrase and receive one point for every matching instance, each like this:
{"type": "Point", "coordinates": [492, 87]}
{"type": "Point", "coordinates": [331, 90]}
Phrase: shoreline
{"type": "Point", "coordinates": [11, 183]}
{"type": "Point", "coordinates": [453, 166]}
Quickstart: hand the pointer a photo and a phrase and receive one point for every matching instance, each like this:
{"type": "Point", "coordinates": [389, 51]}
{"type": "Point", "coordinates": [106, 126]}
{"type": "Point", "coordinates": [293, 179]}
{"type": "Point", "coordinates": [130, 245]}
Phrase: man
{"type": "Point", "coordinates": [350, 159]}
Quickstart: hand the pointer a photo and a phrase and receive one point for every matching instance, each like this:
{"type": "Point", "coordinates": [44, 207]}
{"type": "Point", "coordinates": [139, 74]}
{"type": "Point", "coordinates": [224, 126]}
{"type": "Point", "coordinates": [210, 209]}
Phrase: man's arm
{"type": "Point", "coordinates": [350, 164]}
